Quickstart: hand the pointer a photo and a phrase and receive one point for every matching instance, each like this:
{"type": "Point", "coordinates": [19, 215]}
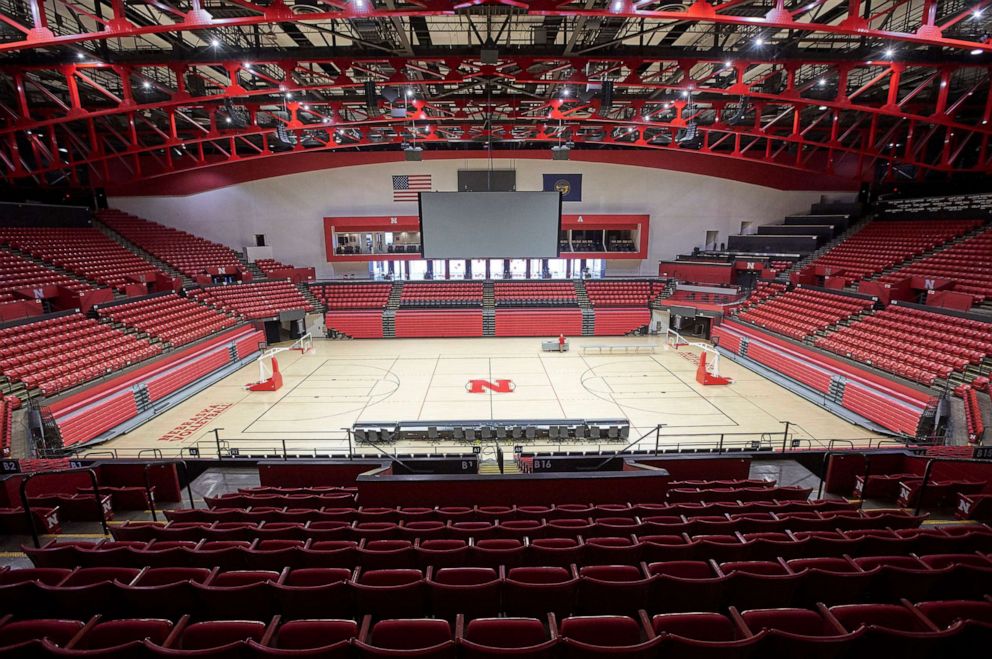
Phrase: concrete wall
{"type": "Point", "coordinates": [289, 209]}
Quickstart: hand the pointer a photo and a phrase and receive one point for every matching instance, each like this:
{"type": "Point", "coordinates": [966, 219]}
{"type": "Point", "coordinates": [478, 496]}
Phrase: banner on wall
{"type": "Point", "coordinates": [569, 185]}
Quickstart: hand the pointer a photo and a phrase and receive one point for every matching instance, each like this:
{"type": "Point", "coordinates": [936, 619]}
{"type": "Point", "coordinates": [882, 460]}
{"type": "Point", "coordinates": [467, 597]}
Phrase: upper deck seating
{"type": "Point", "coordinates": [17, 272]}
{"type": "Point", "coordinates": [556, 293]}
{"type": "Point", "coordinates": [189, 254]}
{"type": "Point", "coordinates": [968, 264]}
{"type": "Point", "coordinates": [352, 296]}
{"type": "Point", "coordinates": [623, 293]}
{"type": "Point", "coordinates": [886, 243]}
{"type": "Point", "coordinates": [84, 251]}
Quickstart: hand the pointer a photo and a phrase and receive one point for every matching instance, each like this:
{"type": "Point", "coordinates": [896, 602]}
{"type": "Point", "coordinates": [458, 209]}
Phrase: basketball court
{"type": "Point", "coordinates": [340, 383]}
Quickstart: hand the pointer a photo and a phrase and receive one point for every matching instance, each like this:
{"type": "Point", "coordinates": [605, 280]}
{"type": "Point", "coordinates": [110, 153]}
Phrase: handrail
{"type": "Point", "coordinates": [156, 452]}
{"type": "Point", "coordinates": [27, 504]}
{"type": "Point", "coordinates": [189, 488]}
{"type": "Point", "coordinates": [656, 430]}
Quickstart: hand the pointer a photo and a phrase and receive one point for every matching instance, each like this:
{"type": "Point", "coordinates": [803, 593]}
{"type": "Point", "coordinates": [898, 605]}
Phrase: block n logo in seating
{"type": "Point", "coordinates": [496, 386]}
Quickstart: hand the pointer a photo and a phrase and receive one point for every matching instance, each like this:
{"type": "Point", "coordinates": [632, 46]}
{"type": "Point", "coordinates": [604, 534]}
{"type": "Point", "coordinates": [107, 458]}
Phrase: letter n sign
{"type": "Point", "coordinates": [498, 386]}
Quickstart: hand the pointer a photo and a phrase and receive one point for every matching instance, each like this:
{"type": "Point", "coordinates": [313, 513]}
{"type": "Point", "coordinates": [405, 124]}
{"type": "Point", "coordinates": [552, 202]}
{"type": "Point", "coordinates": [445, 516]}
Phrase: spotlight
{"type": "Point", "coordinates": [62, 149]}
{"type": "Point", "coordinates": [565, 92]}
{"type": "Point", "coordinates": [646, 118]}
{"type": "Point", "coordinates": [759, 41]}
{"type": "Point", "coordinates": [977, 51]}
{"type": "Point", "coordinates": [215, 43]}
{"type": "Point", "coordinates": [409, 93]}
{"type": "Point", "coordinates": [685, 94]}
{"type": "Point", "coordinates": [977, 13]}
{"type": "Point", "coordinates": [821, 82]}
{"type": "Point", "coordinates": [889, 52]}
{"type": "Point", "coordinates": [80, 55]}
{"type": "Point", "coordinates": [306, 107]}
{"type": "Point", "coordinates": [289, 94]}
{"type": "Point", "coordinates": [728, 64]}
{"type": "Point", "coordinates": [227, 120]}
{"type": "Point", "coordinates": [823, 107]}
{"type": "Point", "coordinates": [617, 5]}
{"type": "Point", "coordinates": [146, 84]}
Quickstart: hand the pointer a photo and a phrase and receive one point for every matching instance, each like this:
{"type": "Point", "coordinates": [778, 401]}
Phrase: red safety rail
{"type": "Point", "coordinates": [189, 254]}
{"type": "Point", "coordinates": [56, 354]}
{"type": "Point", "coordinates": [623, 293]}
{"type": "Point", "coordinates": [358, 324]}
{"type": "Point", "coordinates": [263, 299]}
{"type": "Point", "coordinates": [6, 425]}
{"type": "Point", "coordinates": [538, 322]}
{"type": "Point", "coordinates": [352, 296]}
{"type": "Point", "coordinates": [17, 272]}
{"type": "Point", "coordinates": [801, 312]}
{"type": "Point", "coordinates": [883, 244]}
{"type": "Point", "coordinates": [169, 317]}
{"type": "Point", "coordinates": [968, 264]}
{"type": "Point", "coordinates": [914, 344]}
{"type": "Point", "coordinates": [84, 251]}
{"type": "Point", "coordinates": [549, 292]}
{"type": "Point", "coordinates": [973, 415]}
{"type": "Point", "coordinates": [617, 322]}
{"type": "Point", "coordinates": [442, 291]}
{"type": "Point", "coordinates": [439, 322]}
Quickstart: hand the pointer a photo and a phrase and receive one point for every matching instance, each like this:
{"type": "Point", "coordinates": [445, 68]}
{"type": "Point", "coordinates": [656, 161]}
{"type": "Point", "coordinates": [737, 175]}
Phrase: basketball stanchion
{"type": "Point", "coordinates": [706, 374]}
{"type": "Point", "coordinates": [270, 378]}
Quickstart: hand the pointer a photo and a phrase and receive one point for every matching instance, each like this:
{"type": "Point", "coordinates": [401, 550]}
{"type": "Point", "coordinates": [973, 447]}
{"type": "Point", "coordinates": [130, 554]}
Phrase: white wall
{"type": "Point", "coordinates": [290, 209]}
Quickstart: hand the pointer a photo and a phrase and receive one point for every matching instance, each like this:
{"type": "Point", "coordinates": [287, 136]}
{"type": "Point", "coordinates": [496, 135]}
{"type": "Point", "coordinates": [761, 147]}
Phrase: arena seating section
{"type": "Point", "coordinates": [665, 576]}
{"type": "Point", "coordinates": [84, 251]}
{"type": "Point", "coordinates": [968, 264]}
{"type": "Point", "coordinates": [168, 318]}
{"type": "Point", "coordinates": [918, 345]}
{"type": "Point", "coordinates": [17, 272]}
{"type": "Point", "coordinates": [55, 354]}
{"type": "Point", "coordinates": [697, 296]}
{"type": "Point", "coordinates": [267, 266]}
{"type": "Point", "coordinates": [973, 415]}
{"type": "Point", "coordinates": [353, 309]}
{"type": "Point", "coordinates": [883, 244]}
{"type": "Point", "coordinates": [802, 312]}
{"type": "Point", "coordinates": [185, 252]}
{"type": "Point", "coordinates": [441, 294]}
{"type": "Point", "coordinates": [537, 293]}
{"type": "Point", "coordinates": [263, 299]}
{"type": "Point", "coordinates": [623, 293]}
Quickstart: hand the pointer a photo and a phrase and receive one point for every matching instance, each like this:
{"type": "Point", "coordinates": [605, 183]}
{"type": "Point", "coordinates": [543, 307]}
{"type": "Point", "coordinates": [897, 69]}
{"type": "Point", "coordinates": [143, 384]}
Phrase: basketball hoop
{"type": "Point", "coordinates": [270, 379]}
{"type": "Point", "coordinates": [706, 373]}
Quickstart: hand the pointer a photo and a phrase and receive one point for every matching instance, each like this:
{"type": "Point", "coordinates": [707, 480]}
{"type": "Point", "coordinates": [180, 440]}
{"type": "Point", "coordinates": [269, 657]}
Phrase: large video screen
{"type": "Point", "coordinates": [490, 225]}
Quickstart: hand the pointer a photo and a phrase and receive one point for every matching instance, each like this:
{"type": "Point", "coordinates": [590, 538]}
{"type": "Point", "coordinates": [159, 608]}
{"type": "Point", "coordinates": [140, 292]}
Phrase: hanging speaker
{"type": "Point", "coordinates": [607, 93]}
{"type": "Point", "coordinates": [370, 94]}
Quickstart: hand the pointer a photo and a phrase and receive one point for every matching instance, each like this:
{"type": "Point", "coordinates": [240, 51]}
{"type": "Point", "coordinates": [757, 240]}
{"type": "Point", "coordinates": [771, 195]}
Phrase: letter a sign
{"type": "Point", "coordinates": [497, 386]}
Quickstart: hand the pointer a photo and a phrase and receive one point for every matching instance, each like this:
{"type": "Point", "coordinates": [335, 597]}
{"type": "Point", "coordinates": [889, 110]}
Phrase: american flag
{"type": "Point", "coordinates": [406, 188]}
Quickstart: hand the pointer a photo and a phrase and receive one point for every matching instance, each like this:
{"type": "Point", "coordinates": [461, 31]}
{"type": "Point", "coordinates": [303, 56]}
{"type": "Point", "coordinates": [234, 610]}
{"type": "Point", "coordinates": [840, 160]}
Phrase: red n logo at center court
{"type": "Point", "coordinates": [498, 386]}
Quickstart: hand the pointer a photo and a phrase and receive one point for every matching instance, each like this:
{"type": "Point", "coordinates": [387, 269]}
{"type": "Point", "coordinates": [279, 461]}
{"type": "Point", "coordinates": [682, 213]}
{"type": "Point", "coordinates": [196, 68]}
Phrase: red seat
{"type": "Point", "coordinates": [416, 638]}
{"type": "Point", "coordinates": [535, 591]}
{"type": "Point", "coordinates": [472, 591]}
{"type": "Point", "coordinates": [501, 637]}
{"type": "Point", "coordinates": [391, 593]}
{"type": "Point", "coordinates": [606, 636]}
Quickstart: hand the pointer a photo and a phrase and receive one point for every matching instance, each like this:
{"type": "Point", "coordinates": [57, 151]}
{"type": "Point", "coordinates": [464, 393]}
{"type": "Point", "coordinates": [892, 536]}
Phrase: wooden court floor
{"type": "Point", "coordinates": [339, 383]}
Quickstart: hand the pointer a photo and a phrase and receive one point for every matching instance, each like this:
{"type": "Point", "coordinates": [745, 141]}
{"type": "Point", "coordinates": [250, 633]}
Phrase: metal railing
{"type": "Point", "coordinates": [26, 504]}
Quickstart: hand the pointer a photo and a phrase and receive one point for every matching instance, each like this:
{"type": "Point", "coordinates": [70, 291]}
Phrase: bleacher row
{"type": "Point", "coordinates": [973, 415]}
{"type": "Point", "coordinates": [189, 254]}
{"type": "Point", "coordinates": [168, 318]}
{"type": "Point", "coordinates": [264, 299]}
{"type": "Point", "coordinates": [801, 312]}
{"type": "Point", "coordinates": [704, 586]}
{"type": "Point", "coordinates": [968, 264]}
{"type": "Point", "coordinates": [59, 353]}
{"type": "Point", "coordinates": [910, 342]}
{"type": "Point", "coordinates": [883, 244]}
{"type": "Point", "coordinates": [455, 309]}
{"type": "Point", "coordinates": [18, 273]}
{"type": "Point", "coordinates": [84, 251]}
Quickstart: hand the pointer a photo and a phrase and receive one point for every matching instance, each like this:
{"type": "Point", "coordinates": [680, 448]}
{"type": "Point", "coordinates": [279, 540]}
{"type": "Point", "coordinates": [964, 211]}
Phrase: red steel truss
{"type": "Point", "coordinates": [83, 120]}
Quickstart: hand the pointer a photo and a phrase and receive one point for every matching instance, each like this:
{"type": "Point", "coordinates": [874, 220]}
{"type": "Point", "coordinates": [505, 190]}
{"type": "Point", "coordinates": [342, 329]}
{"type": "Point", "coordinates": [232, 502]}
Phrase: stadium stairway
{"type": "Point", "coordinates": [843, 322]}
{"type": "Point", "coordinates": [310, 297]}
{"type": "Point", "coordinates": [488, 308]}
{"type": "Point", "coordinates": [127, 244]}
{"type": "Point", "coordinates": [389, 313]}
{"type": "Point", "coordinates": [250, 266]}
{"type": "Point", "coordinates": [985, 405]}
{"type": "Point", "coordinates": [956, 432]}
{"type": "Point", "coordinates": [588, 313]}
